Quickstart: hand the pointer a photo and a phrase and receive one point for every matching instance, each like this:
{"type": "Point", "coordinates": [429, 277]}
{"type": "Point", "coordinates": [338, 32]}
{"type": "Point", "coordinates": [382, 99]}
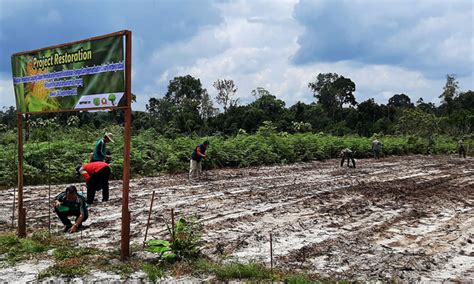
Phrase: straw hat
{"type": "Point", "coordinates": [109, 136]}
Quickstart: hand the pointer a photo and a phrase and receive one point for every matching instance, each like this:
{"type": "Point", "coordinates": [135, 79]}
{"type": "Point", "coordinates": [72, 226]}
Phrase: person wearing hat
{"type": "Point", "coordinates": [100, 149]}
{"type": "Point", "coordinates": [71, 203]}
{"type": "Point", "coordinates": [198, 154]}
{"type": "Point", "coordinates": [96, 176]}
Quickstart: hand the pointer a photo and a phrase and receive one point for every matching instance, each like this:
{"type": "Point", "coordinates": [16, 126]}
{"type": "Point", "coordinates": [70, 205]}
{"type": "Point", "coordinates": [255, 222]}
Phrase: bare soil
{"type": "Point", "coordinates": [407, 218]}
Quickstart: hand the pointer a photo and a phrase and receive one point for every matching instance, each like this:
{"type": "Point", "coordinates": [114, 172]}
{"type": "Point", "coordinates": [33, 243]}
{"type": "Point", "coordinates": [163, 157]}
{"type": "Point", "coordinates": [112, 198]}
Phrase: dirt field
{"type": "Point", "coordinates": [401, 218]}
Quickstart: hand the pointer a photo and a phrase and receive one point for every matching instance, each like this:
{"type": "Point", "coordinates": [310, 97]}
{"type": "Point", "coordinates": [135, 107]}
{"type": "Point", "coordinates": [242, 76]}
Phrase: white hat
{"type": "Point", "coordinates": [109, 136]}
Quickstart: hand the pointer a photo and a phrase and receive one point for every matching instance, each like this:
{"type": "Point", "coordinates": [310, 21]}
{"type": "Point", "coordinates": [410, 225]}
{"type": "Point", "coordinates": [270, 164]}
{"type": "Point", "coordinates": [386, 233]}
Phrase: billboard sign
{"type": "Point", "coordinates": [84, 75]}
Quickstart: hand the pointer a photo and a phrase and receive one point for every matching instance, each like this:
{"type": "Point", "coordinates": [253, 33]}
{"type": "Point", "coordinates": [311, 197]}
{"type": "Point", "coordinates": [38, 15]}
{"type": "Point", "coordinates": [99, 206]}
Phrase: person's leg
{"type": "Point", "coordinates": [104, 175]}
{"type": "Point", "coordinates": [91, 189]}
{"type": "Point", "coordinates": [353, 161]}
{"type": "Point", "coordinates": [191, 168]}
{"type": "Point", "coordinates": [199, 169]}
{"type": "Point", "coordinates": [342, 161]}
{"type": "Point", "coordinates": [63, 217]}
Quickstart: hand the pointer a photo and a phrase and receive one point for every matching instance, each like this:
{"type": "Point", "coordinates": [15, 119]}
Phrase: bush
{"type": "Point", "coordinates": [152, 153]}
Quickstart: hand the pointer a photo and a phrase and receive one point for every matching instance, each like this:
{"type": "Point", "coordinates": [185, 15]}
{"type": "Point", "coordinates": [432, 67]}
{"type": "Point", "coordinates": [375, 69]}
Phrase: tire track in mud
{"type": "Point", "coordinates": [363, 223]}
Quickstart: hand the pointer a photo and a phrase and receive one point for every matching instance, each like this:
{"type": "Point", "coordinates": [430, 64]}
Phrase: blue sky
{"type": "Point", "coordinates": [385, 47]}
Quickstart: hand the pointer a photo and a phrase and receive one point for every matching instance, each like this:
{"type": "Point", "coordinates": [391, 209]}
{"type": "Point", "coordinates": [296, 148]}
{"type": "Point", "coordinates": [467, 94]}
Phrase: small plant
{"type": "Point", "coordinates": [185, 242]}
{"type": "Point", "coordinates": [153, 272]}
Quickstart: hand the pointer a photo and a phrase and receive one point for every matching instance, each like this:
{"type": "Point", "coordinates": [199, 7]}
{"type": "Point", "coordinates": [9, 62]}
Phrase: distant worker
{"type": "Point", "coordinates": [70, 203]}
{"type": "Point", "coordinates": [100, 149]}
{"type": "Point", "coordinates": [377, 148]}
{"type": "Point", "coordinates": [96, 176]}
{"type": "Point", "coordinates": [198, 154]}
{"type": "Point", "coordinates": [461, 149]}
{"type": "Point", "coordinates": [349, 155]}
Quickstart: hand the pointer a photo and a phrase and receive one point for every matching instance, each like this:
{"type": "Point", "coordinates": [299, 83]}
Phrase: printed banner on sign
{"type": "Point", "coordinates": [80, 76]}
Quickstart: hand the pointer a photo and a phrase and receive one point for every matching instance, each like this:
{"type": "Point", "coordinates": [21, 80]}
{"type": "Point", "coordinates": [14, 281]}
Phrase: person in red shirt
{"type": "Point", "coordinates": [96, 176]}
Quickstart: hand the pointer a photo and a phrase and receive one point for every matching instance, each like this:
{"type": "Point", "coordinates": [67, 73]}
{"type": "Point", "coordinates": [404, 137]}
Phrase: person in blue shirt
{"type": "Point", "coordinates": [198, 154]}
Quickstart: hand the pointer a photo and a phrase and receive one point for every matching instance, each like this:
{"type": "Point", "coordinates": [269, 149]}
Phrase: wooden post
{"type": "Point", "coordinates": [13, 210]}
{"type": "Point", "coordinates": [21, 210]}
{"type": "Point", "coordinates": [49, 185]}
{"type": "Point", "coordinates": [125, 234]}
{"type": "Point", "coordinates": [149, 216]}
{"type": "Point", "coordinates": [172, 225]}
{"type": "Point", "coordinates": [271, 253]}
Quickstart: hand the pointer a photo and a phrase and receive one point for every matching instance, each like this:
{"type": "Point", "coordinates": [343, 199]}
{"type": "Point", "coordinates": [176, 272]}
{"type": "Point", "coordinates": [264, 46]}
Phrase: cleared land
{"type": "Point", "coordinates": [405, 218]}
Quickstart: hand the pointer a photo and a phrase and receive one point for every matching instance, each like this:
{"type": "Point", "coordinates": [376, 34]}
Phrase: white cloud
{"type": "Point", "coordinates": [7, 95]}
{"type": "Point", "coordinates": [254, 46]}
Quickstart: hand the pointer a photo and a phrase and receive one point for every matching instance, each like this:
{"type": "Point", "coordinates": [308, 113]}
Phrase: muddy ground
{"type": "Point", "coordinates": [405, 218]}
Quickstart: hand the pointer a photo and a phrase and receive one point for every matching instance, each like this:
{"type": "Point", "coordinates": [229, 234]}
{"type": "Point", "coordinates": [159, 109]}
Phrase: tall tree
{"type": "Point", "coordinates": [226, 89]}
{"type": "Point", "coordinates": [260, 92]}
{"type": "Point", "coordinates": [333, 91]}
{"type": "Point", "coordinates": [450, 91]}
{"type": "Point", "coordinates": [400, 101]}
{"type": "Point", "coordinates": [207, 107]}
{"type": "Point", "coordinates": [185, 97]}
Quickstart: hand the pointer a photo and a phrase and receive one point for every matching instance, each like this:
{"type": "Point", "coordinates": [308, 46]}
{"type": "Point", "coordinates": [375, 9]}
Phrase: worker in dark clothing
{"type": "Point", "coordinates": [349, 155]}
{"type": "Point", "coordinates": [96, 176]}
{"type": "Point", "coordinates": [100, 150]}
{"type": "Point", "coordinates": [198, 154]}
{"type": "Point", "coordinates": [461, 149]}
{"type": "Point", "coordinates": [71, 203]}
{"type": "Point", "coordinates": [376, 148]}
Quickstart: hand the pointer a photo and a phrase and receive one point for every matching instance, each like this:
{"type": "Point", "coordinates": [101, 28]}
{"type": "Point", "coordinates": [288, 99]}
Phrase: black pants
{"type": "Point", "coordinates": [377, 154]}
{"type": "Point", "coordinates": [63, 216]}
{"type": "Point", "coordinates": [348, 157]}
{"type": "Point", "coordinates": [98, 181]}
{"type": "Point", "coordinates": [462, 152]}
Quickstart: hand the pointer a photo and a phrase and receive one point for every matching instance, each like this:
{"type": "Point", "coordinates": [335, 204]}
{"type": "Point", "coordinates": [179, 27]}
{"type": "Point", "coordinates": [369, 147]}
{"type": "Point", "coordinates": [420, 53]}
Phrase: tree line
{"type": "Point", "coordinates": [187, 108]}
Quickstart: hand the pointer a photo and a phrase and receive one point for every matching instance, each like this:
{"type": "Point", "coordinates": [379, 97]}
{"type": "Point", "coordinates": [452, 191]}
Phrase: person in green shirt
{"type": "Point", "coordinates": [71, 203]}
{"type": "Point", "coordinates": [100, 149]}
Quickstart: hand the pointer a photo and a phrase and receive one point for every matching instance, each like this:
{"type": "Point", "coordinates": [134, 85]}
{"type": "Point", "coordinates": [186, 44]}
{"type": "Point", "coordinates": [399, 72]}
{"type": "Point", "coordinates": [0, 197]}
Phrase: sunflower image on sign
{"type": "Point", "coordinates": [37, 96]}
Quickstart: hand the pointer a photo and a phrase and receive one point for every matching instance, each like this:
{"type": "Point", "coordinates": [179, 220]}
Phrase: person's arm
{"type": "Point", "coordinates": [84, 174]}
{"type": "Point", "coordinates": [79, 219]}
{"type": "Point", "coordinates": [199, 152]}
{"type": "Point", "coordinates": [58, 200]}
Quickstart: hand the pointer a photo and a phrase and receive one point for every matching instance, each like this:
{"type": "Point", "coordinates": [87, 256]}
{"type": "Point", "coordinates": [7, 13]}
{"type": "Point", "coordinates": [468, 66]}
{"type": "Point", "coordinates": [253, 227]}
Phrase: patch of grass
{"type": "Point", "coordinates": [252, 270]}
{"type": "Point", "coordinates": [62, 253]}
{"type": "Point", "coordinates": [300, 278]}
{"type": "Point", "coordinates": [124, 269]}
{"type": "Point", "coordinates": [153, 272]}
{"type": "Point", "coordinates": [233, 270]}
{"type": "Point", "coordinates": [71, 267]}
{"type": "Point", "coordinates": [17, 249]}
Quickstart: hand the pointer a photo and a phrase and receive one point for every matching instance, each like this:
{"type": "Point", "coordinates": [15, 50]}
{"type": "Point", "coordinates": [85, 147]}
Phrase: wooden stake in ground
{"type": "Point", "coordinates": [271, 253]}
{"type": "Point", "coordinates": [149, 216]}
{"type": "Point", "coordinates": [13, 211]}
{"type": "Point", "coordinates": [172, 225]}
{"type": "Point", "coordinates": [49, 186]}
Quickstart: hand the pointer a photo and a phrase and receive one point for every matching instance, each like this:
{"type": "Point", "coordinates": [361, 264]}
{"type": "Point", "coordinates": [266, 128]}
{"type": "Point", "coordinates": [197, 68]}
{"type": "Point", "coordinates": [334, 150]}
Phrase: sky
{"type": "Point", "coordinates": [385, 47]}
